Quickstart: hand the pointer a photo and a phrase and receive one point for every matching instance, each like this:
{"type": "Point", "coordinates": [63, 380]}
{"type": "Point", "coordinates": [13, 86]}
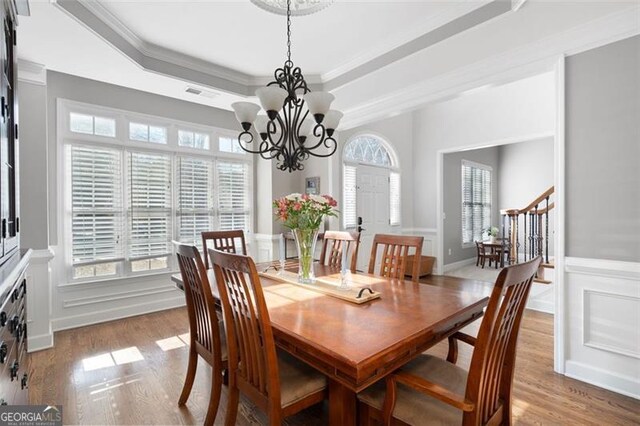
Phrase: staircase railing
{"type": "Point", "coordinates": [533, 221]}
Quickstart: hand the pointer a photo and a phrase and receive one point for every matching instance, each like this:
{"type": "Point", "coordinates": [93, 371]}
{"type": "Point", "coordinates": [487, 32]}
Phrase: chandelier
{"type": "Point", "coordinates": [298, 122]}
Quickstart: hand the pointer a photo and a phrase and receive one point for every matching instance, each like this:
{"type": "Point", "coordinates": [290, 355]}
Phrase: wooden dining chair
{"type": "Point", "coordinates": [395, 251]}
{"type": "Point", "coordinates": [277, 383]}
{"type": "Point", "coordinates": [484, 253]}
{"type": "Point", "coordinates": [223, 241]}
{"type": "Point", "coordinates": [334, 243]}
{"type": "Point", "coordinates": [205, 338]}
{"type": "Point", "coordinates": [435, 391]}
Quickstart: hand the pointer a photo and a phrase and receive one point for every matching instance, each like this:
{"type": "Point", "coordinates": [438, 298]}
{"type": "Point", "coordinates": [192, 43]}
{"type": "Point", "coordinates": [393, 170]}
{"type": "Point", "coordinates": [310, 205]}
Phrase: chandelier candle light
{"type": "Point", "coordinates": [298, 122]}
{"type": "Point", "coordinates": [303, 214]}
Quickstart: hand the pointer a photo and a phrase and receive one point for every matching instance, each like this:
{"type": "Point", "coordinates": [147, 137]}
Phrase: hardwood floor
{"type": "Point", "coordinates": [131, 372]}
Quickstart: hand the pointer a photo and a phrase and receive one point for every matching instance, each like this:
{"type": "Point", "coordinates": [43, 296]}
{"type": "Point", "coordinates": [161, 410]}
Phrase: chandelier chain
{"type": "Point", "coordinates": [288, 30]}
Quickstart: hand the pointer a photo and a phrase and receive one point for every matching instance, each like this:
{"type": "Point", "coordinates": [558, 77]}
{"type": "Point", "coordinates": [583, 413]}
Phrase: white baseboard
{"type": "Point", "coordinates": [97, 317]}
{"type": "Point", "coordinates": [38, 343]}
{"type": "Point", "coordinates": [457, 265]}
{"type": "Point", "coordinates": [602, 378]}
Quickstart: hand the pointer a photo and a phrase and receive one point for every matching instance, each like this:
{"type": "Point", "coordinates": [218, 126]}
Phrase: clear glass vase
{"type": "Point", "coordinates": [306, 245]}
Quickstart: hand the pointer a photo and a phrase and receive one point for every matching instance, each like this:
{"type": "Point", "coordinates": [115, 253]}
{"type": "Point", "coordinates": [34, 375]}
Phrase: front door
{"type": "Point", "coordinates": [372, 205]}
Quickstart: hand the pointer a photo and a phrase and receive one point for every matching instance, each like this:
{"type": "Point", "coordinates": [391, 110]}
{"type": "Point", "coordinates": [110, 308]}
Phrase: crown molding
{"type": "Point", "coordinates": [156, 52]}
{"type": "Point", "coordinates": [150, 57]}
{"type": "Point", "coordinates": [32, 72]}
{"type": "Point", "coordinates": [522, 62]}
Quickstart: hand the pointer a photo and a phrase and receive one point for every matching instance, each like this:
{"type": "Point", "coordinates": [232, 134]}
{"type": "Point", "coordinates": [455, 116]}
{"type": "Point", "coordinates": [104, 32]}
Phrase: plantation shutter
{"type": "Point", "coordinates": [149, 205]}
{"type": "Point", "coordinates": [349, 197]}
{"type": "Point", "coordinates": [233, 195]}
{"type": "Point", "coordinates": [394, 198]}
{"type": "Point", "coordinates": [96, 204]}
{"type": "Point", "coordinates": [476, 201]}
{"type": "Point", "coordinates": [195, 199]}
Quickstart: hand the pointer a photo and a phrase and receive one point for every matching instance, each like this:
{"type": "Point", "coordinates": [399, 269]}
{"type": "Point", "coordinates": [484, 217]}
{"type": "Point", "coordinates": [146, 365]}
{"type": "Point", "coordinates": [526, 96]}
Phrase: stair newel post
{"type": "Point", "coordinates": [534, 232]}
{"type": "Point", "coordinates": [546, 231]}
{"type": "Point", "coordinates": [525, 236]}
{"type": "Point", "coordinates": [510, 239]}
{"type": "Point", "coordinates": [539, 253]}
{"type": "Point", "coordinates": [517, 237]}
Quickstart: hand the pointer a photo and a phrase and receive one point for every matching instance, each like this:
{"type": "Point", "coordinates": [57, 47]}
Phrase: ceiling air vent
{"type": "Point", "coordinates": [201, 92]}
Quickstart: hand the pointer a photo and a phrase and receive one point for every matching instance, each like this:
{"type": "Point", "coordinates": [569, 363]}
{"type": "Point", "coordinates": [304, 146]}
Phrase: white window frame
{"type": "Point", "coordinates": [122, 142]}
{"type": "Point", "coordinates": [393, 168]}
{"type": "Point", "coordinates": [481, 166]}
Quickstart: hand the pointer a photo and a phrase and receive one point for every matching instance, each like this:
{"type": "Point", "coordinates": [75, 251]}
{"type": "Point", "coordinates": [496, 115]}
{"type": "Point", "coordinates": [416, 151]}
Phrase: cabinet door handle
{"type": "Point", "coordinates": [3, 319]}
{"type": "Point", "coordinates": [3, 352]}
{"type": "Point", "coordinates": [17, 224]}
{"type": "Point", "coordinates": [23, 382]}
{"type": "Point", "coordinates": [4, 228]}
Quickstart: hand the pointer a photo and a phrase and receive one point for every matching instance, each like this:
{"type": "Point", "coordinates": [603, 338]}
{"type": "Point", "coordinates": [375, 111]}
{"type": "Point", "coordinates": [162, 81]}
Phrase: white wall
{"type": "Point", "coordinates": [484, 117]}
{"type": "Point", "coordinates": [526, 171]}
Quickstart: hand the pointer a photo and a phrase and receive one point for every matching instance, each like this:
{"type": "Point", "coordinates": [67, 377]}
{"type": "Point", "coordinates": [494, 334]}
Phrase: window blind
{"type": "Point", "coordinates": [476, 201]}
{"type": "Point", "coordinates": [195, 199]}
{"type": "Point", "coordinates": [233, 195]}
{"type": "Point", "coordinates": [96, 204]}
{"type": "Point", "coordinates": [349, 197]}
{"type": "Point", "coordinates": [394, 198]}
{"type": "Point", "coordinates": [149, 193]}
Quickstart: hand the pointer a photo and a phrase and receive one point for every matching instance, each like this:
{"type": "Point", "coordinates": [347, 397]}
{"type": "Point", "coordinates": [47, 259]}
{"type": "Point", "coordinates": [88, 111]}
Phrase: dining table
{"type": "Point", "coordinates": [497, 247]}
{"type": "Point", "coordinates": [356, 345]}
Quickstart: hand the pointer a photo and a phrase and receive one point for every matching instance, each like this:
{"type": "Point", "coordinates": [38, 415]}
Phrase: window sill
{"type": "Point", "coordinates": [120, 279]}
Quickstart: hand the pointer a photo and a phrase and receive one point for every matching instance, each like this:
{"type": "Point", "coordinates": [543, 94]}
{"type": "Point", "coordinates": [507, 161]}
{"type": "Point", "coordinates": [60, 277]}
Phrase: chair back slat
{"type": "Point", "coordinates": [203, 320]}
{"type": "Point", "coordinates": [251, 348]}
{"type": "Point", "coordinates": [334, 243]}
{"type": "Point", "coordinates": [227, 241]}
{"type": "Point", "coordinates": [492, 365]}
{"type": "Point", "coordinates": [395, 251]}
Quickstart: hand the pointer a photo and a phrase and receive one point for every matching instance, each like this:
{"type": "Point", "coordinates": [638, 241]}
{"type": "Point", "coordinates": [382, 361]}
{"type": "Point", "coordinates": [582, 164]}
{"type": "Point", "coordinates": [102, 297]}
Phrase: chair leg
{"type": "Point", "coordinates": [191, 375]}
{"type": "Point", "coordinates": [232, 405]}
{"type": "Point", "coordinates": [214, 399]}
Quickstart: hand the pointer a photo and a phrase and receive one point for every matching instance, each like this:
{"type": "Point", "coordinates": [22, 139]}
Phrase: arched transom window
{"type": "Point", "coordinates": [367, 149]}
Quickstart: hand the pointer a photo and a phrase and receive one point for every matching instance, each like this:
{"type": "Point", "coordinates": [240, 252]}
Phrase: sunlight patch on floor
{"type": "Point", "coordinates": [173, 342]}
{"type": "Point", "coordinates": [119, 357]}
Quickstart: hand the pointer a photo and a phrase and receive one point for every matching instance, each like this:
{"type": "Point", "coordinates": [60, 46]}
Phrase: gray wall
{"type": "Point", "coordinates": [94, 92]}
{"type": "Point", "coordinates": [526, 171]}
{"type": "Point", "coordinates": [33, 166]}
{"type": "Point", "coordinates": [398, 132]}
{"type": "Point", "coordinates": [452, 199]}
{"type": "Point", "coordinates": [603, 152]}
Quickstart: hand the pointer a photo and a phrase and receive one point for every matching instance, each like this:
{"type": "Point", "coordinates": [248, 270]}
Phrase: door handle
{"type": "Point", "coordinates": [360, 228]}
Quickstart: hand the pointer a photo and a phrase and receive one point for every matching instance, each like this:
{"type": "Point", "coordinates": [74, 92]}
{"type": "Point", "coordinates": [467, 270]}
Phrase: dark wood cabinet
{"type": "Point", "coordinates": [9, 133]}
{"type": "Point", "coordinates": [14, 360]}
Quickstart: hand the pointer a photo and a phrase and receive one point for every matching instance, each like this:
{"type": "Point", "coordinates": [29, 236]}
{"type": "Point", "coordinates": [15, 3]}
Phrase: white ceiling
{"type": "Point", "coordinates": [241, 36]}
{"type": "Point", "coordinates": [243, 39]}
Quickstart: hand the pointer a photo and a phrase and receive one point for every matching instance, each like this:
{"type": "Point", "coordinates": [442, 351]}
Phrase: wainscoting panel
{"type": "Point", "coordinates": [79, 304]}
{"type": "Point", "coordinates": [611, 322]}
{"type": "Point", "coordinates": [603, 332]}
